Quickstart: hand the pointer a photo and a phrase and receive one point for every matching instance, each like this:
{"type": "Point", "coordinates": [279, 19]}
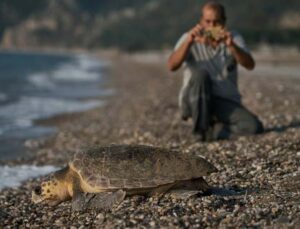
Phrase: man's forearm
{"type": "Point", "coordinates": [242, 57]}
{"type": "Point", "coordinates": [178, 56]}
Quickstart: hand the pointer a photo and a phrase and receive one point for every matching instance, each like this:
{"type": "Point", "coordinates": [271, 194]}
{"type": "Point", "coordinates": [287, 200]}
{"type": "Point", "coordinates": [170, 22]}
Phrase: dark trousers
{"type": "Point", "coordinates": [214, 117]}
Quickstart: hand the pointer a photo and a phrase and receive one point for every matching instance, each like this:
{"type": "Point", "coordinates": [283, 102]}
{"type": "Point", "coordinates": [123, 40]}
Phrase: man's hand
{"type": "Point", "coordinates": [243, 58]}
{"type": "Point", "coordinates": [196, 35]}
{"type": "Point", "coordinates": [178, 56]}
{"type": "Point", "coordinates": [228, 39]}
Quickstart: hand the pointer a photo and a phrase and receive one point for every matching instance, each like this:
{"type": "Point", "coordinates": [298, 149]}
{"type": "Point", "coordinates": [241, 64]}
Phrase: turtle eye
{"type": "Point", "coordinates": [38, 190]}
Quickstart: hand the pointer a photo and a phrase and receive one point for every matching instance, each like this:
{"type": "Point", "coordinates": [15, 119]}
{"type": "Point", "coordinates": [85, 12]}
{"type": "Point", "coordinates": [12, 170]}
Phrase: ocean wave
{"type": "Point", "coordinates": [81, 69]}
{"type": "Point", "coordinates": [21, 113]}
{"type": "Point", "coordinates": [70, 72]}
{"type": "Point", "coordinates": [36, 107]}
{"type": "Point", "coordinates": [41, 80]}
{"type": "Point", "coordinates": [14, 176]}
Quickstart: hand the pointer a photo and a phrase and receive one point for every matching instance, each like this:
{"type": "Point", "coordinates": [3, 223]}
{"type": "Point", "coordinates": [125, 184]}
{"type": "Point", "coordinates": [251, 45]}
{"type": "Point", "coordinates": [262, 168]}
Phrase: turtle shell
{"type": "Point", "coordinates": [136, 166]}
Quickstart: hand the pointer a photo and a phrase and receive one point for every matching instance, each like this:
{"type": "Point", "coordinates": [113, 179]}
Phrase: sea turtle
{"type": "Point", "coordinates": [100, 177]}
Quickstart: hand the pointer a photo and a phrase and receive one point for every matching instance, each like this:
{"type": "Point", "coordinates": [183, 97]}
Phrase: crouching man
{"type": "Point", "coordinates": [210, 54]}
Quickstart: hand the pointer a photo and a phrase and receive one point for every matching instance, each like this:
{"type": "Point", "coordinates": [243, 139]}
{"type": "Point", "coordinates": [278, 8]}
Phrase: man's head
{"type": "Point", "coordinates": [213, 15]}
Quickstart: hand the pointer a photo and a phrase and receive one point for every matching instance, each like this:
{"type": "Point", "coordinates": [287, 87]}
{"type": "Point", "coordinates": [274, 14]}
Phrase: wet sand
{"type": "Point", "coordinates": [264, 169]}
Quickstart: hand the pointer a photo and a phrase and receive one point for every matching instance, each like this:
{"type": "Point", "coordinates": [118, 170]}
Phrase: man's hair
{"type": "Point", "coordinates": [216, 6]}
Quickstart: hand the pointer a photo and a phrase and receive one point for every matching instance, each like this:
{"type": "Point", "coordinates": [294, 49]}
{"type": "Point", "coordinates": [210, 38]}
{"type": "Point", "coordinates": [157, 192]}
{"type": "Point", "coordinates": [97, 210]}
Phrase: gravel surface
{"type": "Point", "coordinates": [262, 170]}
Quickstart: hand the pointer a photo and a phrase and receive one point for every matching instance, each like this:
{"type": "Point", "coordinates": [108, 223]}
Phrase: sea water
{"type": "Point", "coordinates": [13, 176]}
{"type": "Point", "coordinates": [36, 86]}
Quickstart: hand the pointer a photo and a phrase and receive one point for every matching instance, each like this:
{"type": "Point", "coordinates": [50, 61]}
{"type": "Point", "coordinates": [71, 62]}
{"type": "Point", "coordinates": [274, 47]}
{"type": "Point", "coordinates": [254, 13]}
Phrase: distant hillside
{"type": "Point", "coordinates": [137, 24]}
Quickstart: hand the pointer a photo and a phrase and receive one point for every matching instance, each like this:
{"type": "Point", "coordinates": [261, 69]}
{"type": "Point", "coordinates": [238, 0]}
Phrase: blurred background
{"type": "Point", "coordinates": [133, 25]}
{"type": "Point", "coordinates": [47, 68]}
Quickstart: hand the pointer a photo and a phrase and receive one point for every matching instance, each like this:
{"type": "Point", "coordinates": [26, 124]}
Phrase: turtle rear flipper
{"type": "Point", "coordinates": [97, 201]}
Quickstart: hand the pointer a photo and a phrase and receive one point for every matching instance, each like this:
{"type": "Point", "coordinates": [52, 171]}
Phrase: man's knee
{"type": "Point", "coordinates": [250, 126]}
{"type": "Point", "coordinates": [259, 127]}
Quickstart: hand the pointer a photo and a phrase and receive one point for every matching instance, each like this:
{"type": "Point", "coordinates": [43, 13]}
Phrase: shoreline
{"type": "Point", "coordinates": [40, 127]}
{"type": "Point", "coordinates": [144, 111]}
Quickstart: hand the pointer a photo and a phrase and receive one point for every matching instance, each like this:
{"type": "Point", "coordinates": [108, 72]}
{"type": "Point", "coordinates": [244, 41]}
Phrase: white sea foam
{"type": "Point", "coordinates": [41, 80]}
{"type": "Point", "coordinates": [87, 62]}
{"type": "Point", "coordinates": [69, 73]}
{"type": "Point", "coordinates": [35, 107]}
{"type": "Point", "coordinates": [21, 113]}
{"type": "Point", "coordinates": [14, 176]}
{"type": "Point", "coordinates": [81, 69]}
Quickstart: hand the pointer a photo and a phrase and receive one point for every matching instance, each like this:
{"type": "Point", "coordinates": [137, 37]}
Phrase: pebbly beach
{"type": "Point", "coordinates": [262, 171]}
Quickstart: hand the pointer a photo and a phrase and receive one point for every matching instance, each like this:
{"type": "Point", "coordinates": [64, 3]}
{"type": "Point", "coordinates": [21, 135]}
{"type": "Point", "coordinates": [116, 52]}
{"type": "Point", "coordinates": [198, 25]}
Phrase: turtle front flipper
{"type": "Point", "coordinates": [186, 189]}
{"type": "Point", "coordinates": [106, 200]}
{"type": "Point", "coordinates": [97, 201]}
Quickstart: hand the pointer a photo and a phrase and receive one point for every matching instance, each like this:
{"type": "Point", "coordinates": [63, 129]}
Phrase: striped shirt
{"type": "Point", "coordinates": [219, 63]}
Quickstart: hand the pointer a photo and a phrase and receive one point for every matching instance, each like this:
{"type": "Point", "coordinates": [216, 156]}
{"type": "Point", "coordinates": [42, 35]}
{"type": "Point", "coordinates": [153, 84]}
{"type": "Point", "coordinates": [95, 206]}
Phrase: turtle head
{"type": "Point", "coordinates": [52, 192]}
